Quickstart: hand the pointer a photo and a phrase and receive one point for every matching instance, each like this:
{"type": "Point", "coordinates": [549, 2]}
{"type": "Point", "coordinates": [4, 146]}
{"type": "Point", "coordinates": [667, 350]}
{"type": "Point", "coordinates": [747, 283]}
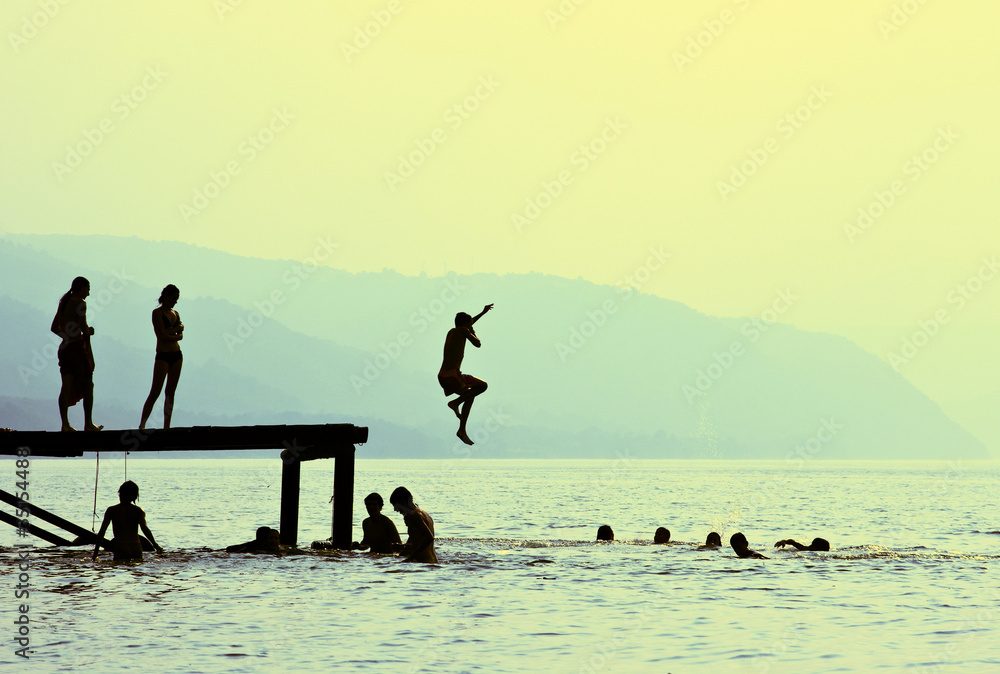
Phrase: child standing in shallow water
{"type": "Point", "coordinates": [126, 519]}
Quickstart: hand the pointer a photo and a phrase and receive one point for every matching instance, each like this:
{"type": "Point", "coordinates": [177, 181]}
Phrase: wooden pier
{"type": "Point", "coordinates": [298, 444]}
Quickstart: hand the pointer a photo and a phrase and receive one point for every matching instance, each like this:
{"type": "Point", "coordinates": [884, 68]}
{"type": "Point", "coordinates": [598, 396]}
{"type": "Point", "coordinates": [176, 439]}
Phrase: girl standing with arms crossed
{"type": "Point", "coordinates": [167, 365]}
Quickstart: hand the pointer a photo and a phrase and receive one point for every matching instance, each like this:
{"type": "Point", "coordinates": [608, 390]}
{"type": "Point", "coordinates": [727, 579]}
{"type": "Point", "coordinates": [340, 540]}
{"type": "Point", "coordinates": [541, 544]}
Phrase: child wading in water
{"type": "Point", "coordinates": [126, 519]}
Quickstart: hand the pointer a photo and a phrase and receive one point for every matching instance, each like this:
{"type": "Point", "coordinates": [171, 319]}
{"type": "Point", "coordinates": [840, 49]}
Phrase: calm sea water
{"type": "Point", "coordinates": [911, 584]}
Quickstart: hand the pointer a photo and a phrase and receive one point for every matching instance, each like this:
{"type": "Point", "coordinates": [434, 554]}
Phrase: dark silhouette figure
{"type": "Point", "coordinates": [267, 540]}
{"type": "Point", "coordinates": [167, 364]}
{"type": "Point", "coordinates": [126, 519]}
{"type": "Point", "coordinates": [661, 536]}
{"type": "Point", "coordinates": [714, 540]}
{"type": "Point", "coordinates": [817, 545]}
{"type": "Point", "coordinates": [605, 533]}
{"type": "Point", "coordinates": [380, 534]}
{"type": "Point", "coordinates": [742, 548]}
{"type": "Point", "coordinates": [76, 359]}
{"type": "Point", "coordinates": [450, 376]}
{"type": "Point", "coordinates": [419, 527]}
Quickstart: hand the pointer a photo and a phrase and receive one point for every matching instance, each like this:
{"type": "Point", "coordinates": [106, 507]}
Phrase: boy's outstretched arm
{"type": "Point", "coordinates": [481, 313]}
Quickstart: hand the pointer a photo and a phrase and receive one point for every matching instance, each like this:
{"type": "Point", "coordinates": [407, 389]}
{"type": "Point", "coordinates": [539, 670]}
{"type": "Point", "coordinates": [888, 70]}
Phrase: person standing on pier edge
{"type": "Point", "coordinates": [167, 364]}
{"type": "Point", "coordinates": [450, 375]}
{"type": "Point", "coordinates": [76, 359]}
{"type": "Point", "coordinates": [419, 527]}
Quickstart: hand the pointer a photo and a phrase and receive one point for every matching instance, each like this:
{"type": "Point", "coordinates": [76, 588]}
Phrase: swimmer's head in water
{"type": "Point", "coordinates": [820, 544]}
{"type": "Point", "coordinates": [128, 492]}
{"type": "Point", "coordinates": [462, 319]}
{"type": "Point", "coordinates": [662, 535]}
{"type": "Point", "coordinates": [739, 541]}
{"type": "Point", "coordinates": [268, 538]}
{"type": "Point", "coordinates": [714, 539]}
{"type": "Point", "coordinates": [605, 533]}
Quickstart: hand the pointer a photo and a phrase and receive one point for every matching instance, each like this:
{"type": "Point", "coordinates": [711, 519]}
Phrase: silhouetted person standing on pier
{"type": "Point", "coordinates": [450, 376]}
{"type": "Point", "coordinates": [76, 359]}
{"type": "Point", "coordinates": [167, 364]}
{"type": "Point", "coordinates": [126, 519]}
{"type": "Point", "coordinates": [419, 527]}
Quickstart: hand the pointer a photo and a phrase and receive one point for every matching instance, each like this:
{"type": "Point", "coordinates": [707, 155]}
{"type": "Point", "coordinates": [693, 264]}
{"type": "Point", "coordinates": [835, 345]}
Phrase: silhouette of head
{"type": "Point", "coordinates": [401, 495]}
{"type": "Point", "coordinates": [170, 290]}
{"type": "Point", "coordinates": [79, 284]}
{"type": "Point", "coordinates": [662, 535]}
{"type": "Point", "coordinates": [714, 539]}
{"type": "Point", "coordinates": [462, 319]}
{"type": "Point", "coordinates": [604, 533]}
{"type": "Point", "coordinates": [739, 542]}
{"type": "Point", "coordinates": [374, 502]}
{"type": "Point", "coordinates": [268, 538]}
{"type": "Point", "coordinates": [820, 544]}
{"type": "Point", "coordinates": [128, 492]}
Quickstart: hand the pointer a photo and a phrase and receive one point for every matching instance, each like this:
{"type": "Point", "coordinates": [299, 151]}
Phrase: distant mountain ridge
{"type": "Point", "coordinates": [575, 369]}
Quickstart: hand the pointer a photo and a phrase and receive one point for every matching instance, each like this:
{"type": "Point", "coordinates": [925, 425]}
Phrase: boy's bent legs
{"type": "Point", "coordinates": [466, 399]}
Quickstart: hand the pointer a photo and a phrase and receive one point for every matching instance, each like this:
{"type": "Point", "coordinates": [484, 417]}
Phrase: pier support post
{"type": "Point", "coordinates": [343, 498]}
{"type": "Point", "coordinates": [288, 527]}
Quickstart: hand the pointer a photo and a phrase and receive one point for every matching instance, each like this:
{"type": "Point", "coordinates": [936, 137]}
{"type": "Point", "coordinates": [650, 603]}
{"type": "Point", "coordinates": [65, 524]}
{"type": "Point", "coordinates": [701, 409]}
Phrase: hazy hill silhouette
{"type": "Point", "coordinates": [568, 376]}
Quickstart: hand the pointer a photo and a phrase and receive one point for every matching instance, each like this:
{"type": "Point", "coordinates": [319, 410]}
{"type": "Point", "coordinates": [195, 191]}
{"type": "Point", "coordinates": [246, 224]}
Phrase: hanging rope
{"type": "Point", "coordinates": [97, 472]}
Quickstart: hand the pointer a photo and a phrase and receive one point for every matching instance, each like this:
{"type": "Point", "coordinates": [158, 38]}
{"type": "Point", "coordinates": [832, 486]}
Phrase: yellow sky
{"type": "Point", "coordinates": [303, 124]}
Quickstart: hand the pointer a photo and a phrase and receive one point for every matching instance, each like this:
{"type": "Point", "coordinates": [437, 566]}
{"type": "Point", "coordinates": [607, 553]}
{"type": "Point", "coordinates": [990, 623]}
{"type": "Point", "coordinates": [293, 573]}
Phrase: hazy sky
{"type": "Point", "coordinates": [739, 137]}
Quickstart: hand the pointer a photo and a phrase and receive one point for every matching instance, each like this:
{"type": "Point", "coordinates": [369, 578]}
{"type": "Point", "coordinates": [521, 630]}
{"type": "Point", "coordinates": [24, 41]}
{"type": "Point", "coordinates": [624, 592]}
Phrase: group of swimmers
{"type": "Point", "coordinates": [738, 542]}
{"type": "Point", "coordinates": [76, 358]}
{"type": "Point", "coordinates": [380, 533]}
